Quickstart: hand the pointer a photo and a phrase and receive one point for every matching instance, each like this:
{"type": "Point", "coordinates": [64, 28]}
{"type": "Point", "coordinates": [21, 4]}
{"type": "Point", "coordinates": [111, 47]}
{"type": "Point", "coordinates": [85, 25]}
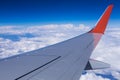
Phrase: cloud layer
{"type": "Point", "coordinates": [34, 37]}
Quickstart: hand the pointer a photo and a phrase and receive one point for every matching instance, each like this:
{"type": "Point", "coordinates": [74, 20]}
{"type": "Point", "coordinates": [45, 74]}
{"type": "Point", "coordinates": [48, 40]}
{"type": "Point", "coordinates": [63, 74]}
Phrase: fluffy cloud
{"type": "Point", "coordinates": [116, 74]}
{"type": "Point", "coordinates": [107, 51]}
{"type": "Point", "coordinates": [92, 76]}
{"type": "Point", "coordinates": [39, 36]}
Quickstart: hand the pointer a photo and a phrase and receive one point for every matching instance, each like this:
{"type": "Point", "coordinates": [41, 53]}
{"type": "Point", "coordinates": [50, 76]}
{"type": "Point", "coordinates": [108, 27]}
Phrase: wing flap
{"type": "Point", "coordinates": [94, 64]}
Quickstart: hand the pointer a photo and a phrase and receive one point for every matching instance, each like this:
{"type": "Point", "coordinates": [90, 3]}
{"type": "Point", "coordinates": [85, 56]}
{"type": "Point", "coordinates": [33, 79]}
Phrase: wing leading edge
{"type": "Point", "coordinates": [62, 61]}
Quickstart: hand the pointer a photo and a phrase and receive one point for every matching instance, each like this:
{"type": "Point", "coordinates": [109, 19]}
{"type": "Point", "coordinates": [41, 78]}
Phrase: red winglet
{"type": "Point", "coordinates": [102, 23]}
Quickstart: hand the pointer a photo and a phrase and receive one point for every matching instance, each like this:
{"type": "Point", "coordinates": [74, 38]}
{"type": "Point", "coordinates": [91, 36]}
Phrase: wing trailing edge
{"type": "Point", "coordinates": [102, 22]}
{"type": "Point", "coordinates": [94, 64]}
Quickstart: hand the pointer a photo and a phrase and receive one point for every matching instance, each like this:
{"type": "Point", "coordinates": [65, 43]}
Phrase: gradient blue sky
{"type": "Point", "coordinates": [32, 12]}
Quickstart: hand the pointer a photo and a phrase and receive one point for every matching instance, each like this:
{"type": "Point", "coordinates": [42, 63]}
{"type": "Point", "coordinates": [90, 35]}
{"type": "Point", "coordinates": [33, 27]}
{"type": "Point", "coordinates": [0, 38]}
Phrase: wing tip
{"type": "Point", "coordinates": [102, 23]}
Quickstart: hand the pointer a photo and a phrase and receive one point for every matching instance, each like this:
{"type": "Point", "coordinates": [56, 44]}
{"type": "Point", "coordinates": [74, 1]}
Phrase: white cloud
{"type": "Point", "coordinates": [92, 76]}
{"type": "Point", "coordinates": [108, 49]}
{"type": "Point", "coordinates": [116, 74]}
{"type": "Point", "coordinates": [44, 35]}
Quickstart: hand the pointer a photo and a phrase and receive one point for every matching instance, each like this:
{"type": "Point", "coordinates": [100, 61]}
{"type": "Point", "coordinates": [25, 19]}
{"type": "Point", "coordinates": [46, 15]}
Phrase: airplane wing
{"type": "Point", "coordinates": [61, 61]}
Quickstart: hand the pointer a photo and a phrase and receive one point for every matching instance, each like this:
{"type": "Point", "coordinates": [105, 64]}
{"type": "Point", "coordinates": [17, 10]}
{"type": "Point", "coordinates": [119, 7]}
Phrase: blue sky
{"type": "Point", "coordinates": [32, 12]}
